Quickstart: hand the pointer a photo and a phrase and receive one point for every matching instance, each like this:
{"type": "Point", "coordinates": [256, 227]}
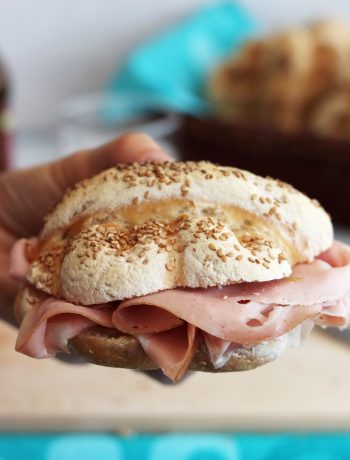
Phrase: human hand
{"type": "Point", "coordinates": [26, 196]}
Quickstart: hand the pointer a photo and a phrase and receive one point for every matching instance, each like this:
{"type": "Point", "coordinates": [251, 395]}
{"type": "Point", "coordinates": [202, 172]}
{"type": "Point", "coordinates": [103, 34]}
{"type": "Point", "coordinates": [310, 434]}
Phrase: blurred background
{"type": "Point", "coordinates": [54, 51]}
{"type": "Point", "coordinates": [259, 84]}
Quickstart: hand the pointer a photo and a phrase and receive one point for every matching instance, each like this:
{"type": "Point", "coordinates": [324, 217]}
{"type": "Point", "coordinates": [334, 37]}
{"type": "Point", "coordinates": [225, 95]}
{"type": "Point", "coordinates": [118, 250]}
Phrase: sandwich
{"type": "Point", "coordinates": [179, 266]}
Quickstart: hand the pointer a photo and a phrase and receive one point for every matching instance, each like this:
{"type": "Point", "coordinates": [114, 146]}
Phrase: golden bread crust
{"type": "Point", "coordinates": [141, 228]}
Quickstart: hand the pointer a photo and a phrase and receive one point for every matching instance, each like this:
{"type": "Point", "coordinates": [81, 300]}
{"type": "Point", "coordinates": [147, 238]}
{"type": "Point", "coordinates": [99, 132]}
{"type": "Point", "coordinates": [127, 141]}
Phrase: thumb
{"type": "Point", "coordinates": [129, 148]}
{"type": "Point", "coordinates": [27, 196]}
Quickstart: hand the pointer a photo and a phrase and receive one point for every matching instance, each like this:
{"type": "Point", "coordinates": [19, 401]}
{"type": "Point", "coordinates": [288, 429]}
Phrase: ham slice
{"type": "Point", "coordinates": [219, 350]}
{"type": "Point", "coordinates": [172, 350]}
{"type": "Point", "coordinates": [49, 325]}
{"type": "Point", "coordinates": [223, 318]}
{"type": "Point", "coordinates": [22, 254]}
{"type": "Point", "coordinates": [336, 315]}
{"type": "Point", "coordinates": [168, 323]}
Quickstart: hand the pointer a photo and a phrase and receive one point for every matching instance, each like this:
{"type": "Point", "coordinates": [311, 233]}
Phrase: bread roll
{"type": "Point", "coordinates": [140, 228]}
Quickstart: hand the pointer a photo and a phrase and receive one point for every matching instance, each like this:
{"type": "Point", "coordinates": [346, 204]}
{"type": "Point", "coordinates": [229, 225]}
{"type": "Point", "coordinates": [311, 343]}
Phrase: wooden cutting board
{"type": "Point", "coordinates": [305, 389]}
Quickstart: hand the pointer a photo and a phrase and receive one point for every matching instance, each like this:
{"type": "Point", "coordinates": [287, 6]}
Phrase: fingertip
{"type": "Point", "coordinates": [129, 148]}
{"type": "Point", "coordinates": [131, 139]}
{"type": "Point", "coordinates": [134, 147]}
{"type": "Point", "coordinates": [156, 156]}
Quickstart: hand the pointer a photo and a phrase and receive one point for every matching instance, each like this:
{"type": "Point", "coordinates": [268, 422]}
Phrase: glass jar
{"type": "Point", "coordinates": [4, 120]}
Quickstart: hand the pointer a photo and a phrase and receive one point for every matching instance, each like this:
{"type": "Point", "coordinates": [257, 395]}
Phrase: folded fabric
{"type": "Point", "coordinates": [172, 68]}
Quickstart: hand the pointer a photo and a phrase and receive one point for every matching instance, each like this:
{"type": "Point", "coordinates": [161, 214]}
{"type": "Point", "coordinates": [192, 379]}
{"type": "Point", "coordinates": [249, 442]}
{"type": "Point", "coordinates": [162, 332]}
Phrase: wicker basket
{"type": "Point", "coordinates": [320, 167]}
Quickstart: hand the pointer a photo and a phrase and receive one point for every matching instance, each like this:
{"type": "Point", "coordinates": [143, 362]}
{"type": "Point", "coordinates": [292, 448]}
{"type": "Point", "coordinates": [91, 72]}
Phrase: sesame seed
{"type": "Point", "coordinates": [212, 247]}
{"type": "Point", "coordinates": [185, 192]}
{"type": "Point", "coordinates": [266, 265]}
{"type": "Point", "coordinates": [239, 257]}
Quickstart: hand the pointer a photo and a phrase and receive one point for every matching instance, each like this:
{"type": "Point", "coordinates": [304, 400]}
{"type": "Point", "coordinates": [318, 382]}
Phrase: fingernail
{"type": "Point", "coordinates": [155, 155]}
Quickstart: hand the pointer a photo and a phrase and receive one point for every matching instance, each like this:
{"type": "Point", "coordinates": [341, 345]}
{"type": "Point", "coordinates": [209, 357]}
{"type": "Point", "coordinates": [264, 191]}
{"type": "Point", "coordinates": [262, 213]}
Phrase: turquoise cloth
{"type": "Point", "coordinates": [171, 70]}
{"type": "Point", "coordinates": [192, 446]}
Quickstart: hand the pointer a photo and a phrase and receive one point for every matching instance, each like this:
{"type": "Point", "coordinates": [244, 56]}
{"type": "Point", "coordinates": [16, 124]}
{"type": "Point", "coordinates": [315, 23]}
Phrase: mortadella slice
{"type": "Point", "coordinates": [22, 254]}
{"type": "Point", "coordinates": [49, 325]}
{"type": "Point", "coordinates": [171, 350]}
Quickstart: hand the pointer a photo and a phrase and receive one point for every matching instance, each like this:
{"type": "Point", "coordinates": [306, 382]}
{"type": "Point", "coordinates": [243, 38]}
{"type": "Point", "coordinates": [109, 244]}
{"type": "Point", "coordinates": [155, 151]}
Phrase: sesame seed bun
{"type": "Point", "coordinates": [141, 228]}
